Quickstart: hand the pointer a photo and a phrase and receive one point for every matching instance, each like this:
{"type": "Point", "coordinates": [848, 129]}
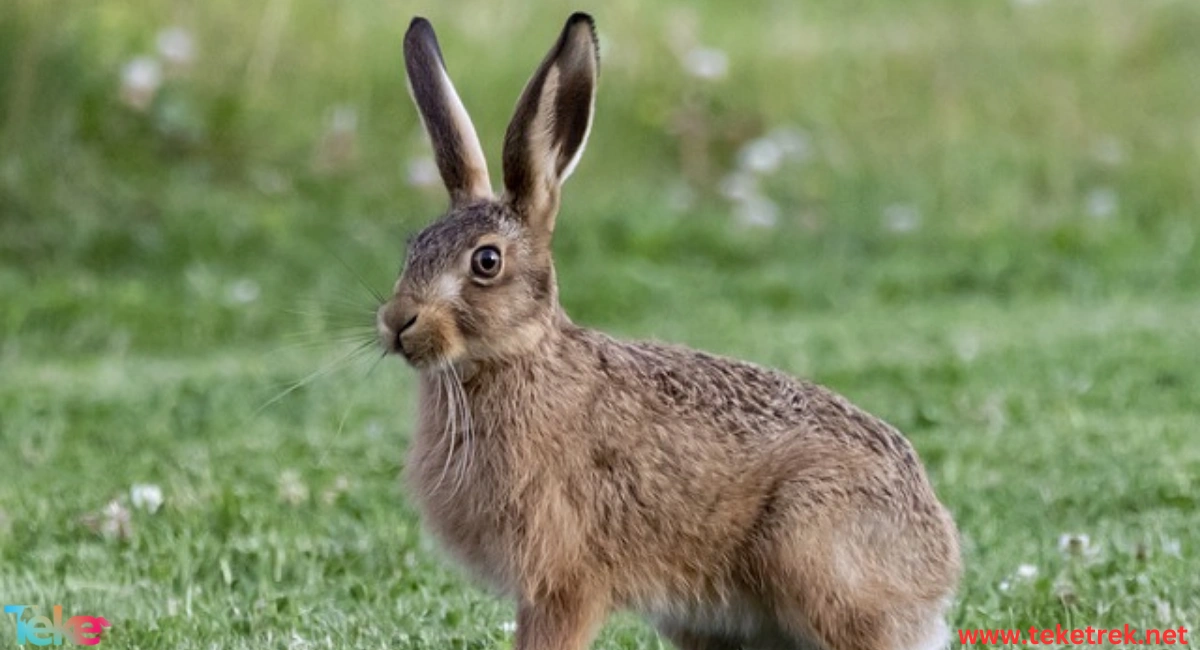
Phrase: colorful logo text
{"type": "Point", "coordinates": [42, 630]}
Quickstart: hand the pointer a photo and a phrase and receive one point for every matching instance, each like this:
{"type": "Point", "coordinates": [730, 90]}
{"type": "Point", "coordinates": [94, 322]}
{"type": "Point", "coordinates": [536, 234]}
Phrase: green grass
{"type": "Point", "coordinates": [166, 275]}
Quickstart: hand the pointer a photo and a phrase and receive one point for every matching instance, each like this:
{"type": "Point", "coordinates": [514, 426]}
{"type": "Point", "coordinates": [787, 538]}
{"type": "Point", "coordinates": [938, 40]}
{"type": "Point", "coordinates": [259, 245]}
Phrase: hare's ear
{"type": "Point", "coordinates": [455, 145]}
{"type": "Point", "coordinates": [550, 127]}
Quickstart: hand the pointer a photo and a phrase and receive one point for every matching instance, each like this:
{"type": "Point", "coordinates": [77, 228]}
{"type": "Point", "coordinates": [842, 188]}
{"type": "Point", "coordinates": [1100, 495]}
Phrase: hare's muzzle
{"type": "Point", "coordinates": [394, 320]}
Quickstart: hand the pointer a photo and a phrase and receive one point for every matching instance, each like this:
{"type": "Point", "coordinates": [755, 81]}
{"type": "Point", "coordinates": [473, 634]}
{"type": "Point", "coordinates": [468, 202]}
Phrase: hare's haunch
{"type": "Point", "coordinates": [732, 505]}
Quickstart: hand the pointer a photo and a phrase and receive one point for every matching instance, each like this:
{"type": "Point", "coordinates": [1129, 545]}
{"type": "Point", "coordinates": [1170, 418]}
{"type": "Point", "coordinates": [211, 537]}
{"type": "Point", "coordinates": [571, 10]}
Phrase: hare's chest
{"type": "Point", "coordinates": [461, 485]}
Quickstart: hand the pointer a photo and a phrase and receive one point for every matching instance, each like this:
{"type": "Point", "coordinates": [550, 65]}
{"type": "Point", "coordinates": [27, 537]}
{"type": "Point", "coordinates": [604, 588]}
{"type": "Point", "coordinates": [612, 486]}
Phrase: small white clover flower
{"type": "Point", "coordinates": [761, 156]}
{"type": "Point", "coordinates": [146, 496]}
{"type": "Point", "coordinates": [707, 63]}
{"type": "Point", "coordinates": [340, 486]}
{"type": "Point", "coordinates": [1074, 544]}
{"type": "Point", "coordinates": [1101, 203]}
{"type": "Point", "coordinates": [1164, 609]}
{"type": "Point", "coordinates": [966, 345]}
{"type": "Point", "coordinates": [177, 47]}
{"type": "Point", "coordinates": [1171, 547]}
{"type": "Point", "coordinates": [243, 291]}
{"type": "Point", "coordinates": [1027, 571]}
{"type": "Point", "coordinates": [738, 186]}
{"type": "Point", "coordinates": [140, 80]}
{"type": "Point", "coordinates": [795, 143]}
{"type": "Point", "coordinates": [901, 218]}
{"type": "Point", "coordinates": [292, 489]}
{"type": "Point", "coordinates": [110, 522]}
{"type": "Point", "coordinates": [757, 211]}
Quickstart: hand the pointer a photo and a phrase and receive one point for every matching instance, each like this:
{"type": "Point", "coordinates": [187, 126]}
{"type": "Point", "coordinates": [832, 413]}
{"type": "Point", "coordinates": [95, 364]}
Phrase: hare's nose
{"type": "Point", "coordinates": [395, 319]}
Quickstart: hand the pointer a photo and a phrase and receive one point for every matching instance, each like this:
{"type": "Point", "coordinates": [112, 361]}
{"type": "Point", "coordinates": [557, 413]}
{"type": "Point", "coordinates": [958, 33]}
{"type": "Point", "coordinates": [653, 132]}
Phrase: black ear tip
{"type": "Point", "coordinates": [420, 37]}
{"type": "Point", "coordinates": [419, 27]}
{"type": "Point", "coordinates": [581, 17]}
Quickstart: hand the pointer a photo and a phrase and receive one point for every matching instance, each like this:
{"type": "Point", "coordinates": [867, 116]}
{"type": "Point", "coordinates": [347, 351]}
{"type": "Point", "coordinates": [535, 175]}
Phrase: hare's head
{"type": "Point", "coordinates": [479, 283]}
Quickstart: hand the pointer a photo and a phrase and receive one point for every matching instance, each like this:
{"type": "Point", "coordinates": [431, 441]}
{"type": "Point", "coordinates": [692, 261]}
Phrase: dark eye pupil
{"type": "Point", "coordinates": [487, 261]}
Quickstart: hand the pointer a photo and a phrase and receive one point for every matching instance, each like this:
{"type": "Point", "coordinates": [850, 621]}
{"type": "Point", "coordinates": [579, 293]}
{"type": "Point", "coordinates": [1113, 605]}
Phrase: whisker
{"type": "Point", "coordinates": [375, 363]}
{"type": "Point", "coordinates": [363, 283]}
{"type": "Point", "coordinates": [316, 374]}
{"type": "Point", "coordinates": [345, 334]}
{"type": "Point", "coordinates": [327, 343]}
{"type": "Point", "coordinates": [464, 464]}
{"type": "Point", "coordinates": [343, 301]}
{"type": "Point", "coordinates": [448, 429]}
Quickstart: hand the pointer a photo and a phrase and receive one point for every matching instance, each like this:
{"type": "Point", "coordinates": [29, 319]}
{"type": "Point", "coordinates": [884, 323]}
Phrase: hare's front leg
{"type": "Point", "coordinates": [559, 621]}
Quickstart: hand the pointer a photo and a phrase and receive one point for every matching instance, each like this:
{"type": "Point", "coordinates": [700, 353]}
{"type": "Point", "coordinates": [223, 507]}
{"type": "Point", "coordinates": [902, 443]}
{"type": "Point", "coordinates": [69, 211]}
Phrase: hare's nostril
{"type": "Point", "coordinates": [398, 337]}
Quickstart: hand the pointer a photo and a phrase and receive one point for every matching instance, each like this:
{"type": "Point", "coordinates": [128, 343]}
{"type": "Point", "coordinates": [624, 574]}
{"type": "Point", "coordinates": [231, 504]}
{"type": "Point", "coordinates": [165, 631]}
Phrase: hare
{"type": "Point", "coordinates": [732, 505]}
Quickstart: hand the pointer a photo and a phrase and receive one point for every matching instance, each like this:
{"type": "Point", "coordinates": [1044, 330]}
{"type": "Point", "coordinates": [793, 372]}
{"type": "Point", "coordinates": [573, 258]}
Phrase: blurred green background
{"type": "Point", "coordinates": [976, 219]}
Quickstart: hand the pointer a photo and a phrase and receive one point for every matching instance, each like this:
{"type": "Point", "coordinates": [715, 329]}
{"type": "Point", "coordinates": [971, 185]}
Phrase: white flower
{"type": "Point", "coordinates": [706, 63]}
{"type": "Point", "coordinates": [292, 489]}
{"type": "Point", "coordinates": [794, 142]}
{"type": "Point", "coordinates": [1101, 203]}
{"type": "Point", "coordinates": [140, 79]}
{"type": "Point", "coordinates": [111, 522]}
{"type": "Point", "coordinates": [757, 210]}
{"type": "Point", "coordinates": [761, 156]}
{"type": "Point", "coordinates": [738, 186]}
{"type": "Point", "coordinates": [1164, 609]}
{"type": "Point", "coordinates": [1027, 571]}
{"type": "Point", "coordinates": [176, 47]}
{"type": "Point", "coordinates": [243, 291]}
{"type": "Point", "coordinates": [146, 496]}
{"type": "Point", "coordinates": [508, 627]}
{"type": "Point", "coordinates": [341, 485]}
{"type": "Point", "coordinates": [374, 430]}
{"type": "Point", "coordinates": [901, 217]}
{"type": "Point", "coordinates": [344, 120]}
{"type": "Point", "coordinates": [1171, 547]}
{"type": "Point", "coordinates": [422, 172]}
{"type": "Point", "coordinates": [1074, 544]}
{"type": "Point", "coordinates": [966, 346]}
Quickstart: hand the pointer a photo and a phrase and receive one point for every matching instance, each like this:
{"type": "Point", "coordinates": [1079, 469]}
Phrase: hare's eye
{"type": "Point", "coordinates": [486, 262]}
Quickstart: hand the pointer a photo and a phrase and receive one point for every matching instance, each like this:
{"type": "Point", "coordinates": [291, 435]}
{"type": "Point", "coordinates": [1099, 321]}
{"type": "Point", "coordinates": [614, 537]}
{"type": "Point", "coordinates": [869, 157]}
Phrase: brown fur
{"type": "Point", "coordinates": [733, 505]}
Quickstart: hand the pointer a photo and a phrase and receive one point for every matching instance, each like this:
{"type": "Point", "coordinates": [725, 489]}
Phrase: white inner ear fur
{"type": "Point", "coordinates": [541, 138]}
{"type": "Point", "coordinates": [570, 168]}
{"type": "Point", "coordinates": [476, 163]}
